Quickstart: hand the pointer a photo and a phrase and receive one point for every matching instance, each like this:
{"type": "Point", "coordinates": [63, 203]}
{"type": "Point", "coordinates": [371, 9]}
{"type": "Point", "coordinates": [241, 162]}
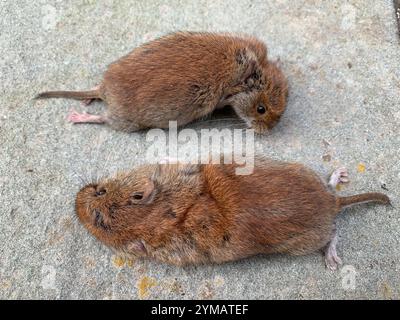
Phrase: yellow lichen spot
{"type": "Point", "coordinates": [338, 187]}
{"type": "Point", "coordinates": [130, 262]}
{"type": "Point", "coordinates": [90, 262]}
{"type": "Point", "coordinates": [5, 284]}
{"type": "Point", "coordinates": [143, 286]}
{"type": "Point", "coordinates": [206, 291]}
{"type": "Point", "coordinates": [361, 167]}
{"type": "Point", "coordinates": [118, 261]}
{"type": "Point", "coordinates": [219, 281]}
{"type": "Point", "coordinates": [174, 287]}
{"type": "Point", "coordinates": [387, 291]}
{"type": "Point", "coordinates": [335, 164]}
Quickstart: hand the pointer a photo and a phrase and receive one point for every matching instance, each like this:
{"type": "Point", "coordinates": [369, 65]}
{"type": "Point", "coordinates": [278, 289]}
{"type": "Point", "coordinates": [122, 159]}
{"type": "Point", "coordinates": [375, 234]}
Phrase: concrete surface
{"type": "Point", "coordinates": [342, 60]}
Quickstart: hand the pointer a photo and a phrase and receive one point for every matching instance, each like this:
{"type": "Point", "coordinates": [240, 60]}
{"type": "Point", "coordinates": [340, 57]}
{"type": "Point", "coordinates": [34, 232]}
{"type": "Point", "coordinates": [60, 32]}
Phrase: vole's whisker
{"type": "Point", "coordinates": [80, 178]}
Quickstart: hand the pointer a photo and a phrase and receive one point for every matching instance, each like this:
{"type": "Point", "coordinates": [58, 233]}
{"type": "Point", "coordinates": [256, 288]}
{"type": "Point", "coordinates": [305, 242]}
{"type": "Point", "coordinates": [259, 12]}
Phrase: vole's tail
{"type": "Point", "coordinates": [363, 198]}
{"type": "Point", "coordinates": [77, 95]}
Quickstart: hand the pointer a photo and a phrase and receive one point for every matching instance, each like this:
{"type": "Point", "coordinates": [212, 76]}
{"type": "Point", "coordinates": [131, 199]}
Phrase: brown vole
{"type": "Point", "coordinates": [191, 214]}
{"type": "Point", "coordinates": [183, 77]}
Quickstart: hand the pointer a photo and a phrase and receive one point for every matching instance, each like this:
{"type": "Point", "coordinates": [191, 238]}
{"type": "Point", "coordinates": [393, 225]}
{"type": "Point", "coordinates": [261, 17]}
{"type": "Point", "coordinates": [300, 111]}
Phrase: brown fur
{"type": "Point", "coordinates": [185, 76]}
{"type": "Point", "coordinates": [192, 214]}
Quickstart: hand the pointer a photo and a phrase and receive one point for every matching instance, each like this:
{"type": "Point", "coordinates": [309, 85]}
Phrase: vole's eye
{"type": "Point", "coordinates": [100, 192]}
{"type": "Point", "coordinates": [261, 109]}
{"type": "Point", "coordinates": [137, 196]}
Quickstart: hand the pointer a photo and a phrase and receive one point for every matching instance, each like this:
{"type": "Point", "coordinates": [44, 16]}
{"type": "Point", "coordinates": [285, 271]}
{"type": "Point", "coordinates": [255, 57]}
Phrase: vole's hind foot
{"type": "Point", "coordinates": [89, 101]}
{"type": "Point", "coordinates": [338, 176]}
{"type": "Point", "coordinates": [76, 117]}
{"type": "Point", "coordinates": [332, 260]}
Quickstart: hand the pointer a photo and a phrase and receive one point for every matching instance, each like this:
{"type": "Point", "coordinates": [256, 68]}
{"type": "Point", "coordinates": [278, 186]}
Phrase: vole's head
{"type": "Point", "coordinates": [262, 108]}
{"type": "Point", "coordinates": [138, 210]}
{"type": "Point", "coordinates": [116, 210]}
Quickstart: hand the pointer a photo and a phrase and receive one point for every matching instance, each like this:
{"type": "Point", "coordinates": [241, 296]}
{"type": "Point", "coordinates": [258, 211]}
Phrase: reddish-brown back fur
{"type": "Point", "coordinates": [207, 213]}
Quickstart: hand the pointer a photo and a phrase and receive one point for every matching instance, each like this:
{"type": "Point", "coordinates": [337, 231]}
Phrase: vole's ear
{"type": "Point", "coordinates": [137, 247]}
{"type": "Point", "coordinates": [145, 195]}
{"type": "Point", "coordinates": [249, 72]}
{"type": "Point", "coordinates": [248, 63]}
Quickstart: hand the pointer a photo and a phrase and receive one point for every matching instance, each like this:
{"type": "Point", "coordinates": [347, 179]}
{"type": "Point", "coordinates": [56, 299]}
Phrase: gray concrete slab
{"type": "Point", "coordinates": [342, 61]}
